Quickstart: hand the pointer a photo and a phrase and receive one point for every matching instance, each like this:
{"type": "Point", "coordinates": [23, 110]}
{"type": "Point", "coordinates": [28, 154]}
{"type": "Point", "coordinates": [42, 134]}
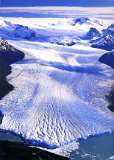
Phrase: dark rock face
{"type": "Point", "coordinates": [5, 87]}
{"type": "Point", "coordinates": [8, 55]}
{"type": "Point", "coordinates": [92, 33]}
{"type": "Point", "coordinates": [19, 151]}
{"type": "Point", "coordinates": [110, 99]}
{"type": "Point", "coordinates": [108, 59]}
{"type": "Point", "coordinates": [1, 117]}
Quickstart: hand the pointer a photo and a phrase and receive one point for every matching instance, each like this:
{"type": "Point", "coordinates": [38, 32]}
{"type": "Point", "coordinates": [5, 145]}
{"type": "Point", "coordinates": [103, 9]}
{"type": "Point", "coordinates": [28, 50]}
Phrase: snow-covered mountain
{"type": "Point", "coordinates": [87, 21]}
{"type": "Point", "coordinates": [93, 33]}
{"type": "Point", "coordinates": [8, 29]}
{"type": "Point", "coordinates": [109, 30]}
{"type": "Point", "coordinates": [106, 40]}
{"type": "Point", "coordinates": [83, 25]}
{"type": "Point", "coordinates": [98, 37]}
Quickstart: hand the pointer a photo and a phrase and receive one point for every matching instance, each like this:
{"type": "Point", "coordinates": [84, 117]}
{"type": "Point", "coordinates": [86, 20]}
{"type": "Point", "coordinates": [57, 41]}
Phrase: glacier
{"type": "Point", "coordinates": [59, 90]}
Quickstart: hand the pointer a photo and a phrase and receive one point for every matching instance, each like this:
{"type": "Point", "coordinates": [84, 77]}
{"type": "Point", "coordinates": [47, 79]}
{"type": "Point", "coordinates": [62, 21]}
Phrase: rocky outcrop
{"type": "Point", "coordinates": [8, 55]}
{"type": "Point", "coordinates": [108, 59]}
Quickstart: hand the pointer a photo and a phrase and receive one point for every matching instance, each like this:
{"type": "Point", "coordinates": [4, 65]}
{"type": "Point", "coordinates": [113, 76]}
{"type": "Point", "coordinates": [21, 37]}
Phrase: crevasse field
{"type": "Point", "coordinates": [60, 86]}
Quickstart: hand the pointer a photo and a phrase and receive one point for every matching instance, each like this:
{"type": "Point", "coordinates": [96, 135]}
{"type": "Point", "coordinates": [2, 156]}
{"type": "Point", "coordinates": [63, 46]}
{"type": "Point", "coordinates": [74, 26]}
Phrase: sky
{"type": "Point", "coordinates": [98, 3]}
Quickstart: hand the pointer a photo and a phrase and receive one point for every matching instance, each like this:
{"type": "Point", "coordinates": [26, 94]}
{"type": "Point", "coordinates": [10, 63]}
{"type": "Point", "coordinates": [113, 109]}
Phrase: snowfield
{"type": "Point", "coordinates": [60, 86]}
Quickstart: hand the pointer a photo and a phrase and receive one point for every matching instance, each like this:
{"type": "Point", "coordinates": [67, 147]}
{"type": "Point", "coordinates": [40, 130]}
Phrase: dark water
{"type": "Point", "coordinates": [95, 148]}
